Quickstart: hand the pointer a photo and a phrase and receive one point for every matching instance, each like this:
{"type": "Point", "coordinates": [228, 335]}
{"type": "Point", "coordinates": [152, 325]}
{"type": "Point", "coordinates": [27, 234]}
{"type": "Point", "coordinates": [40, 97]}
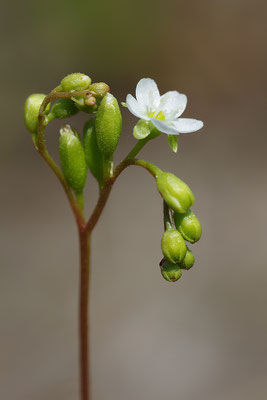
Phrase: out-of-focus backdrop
{"type": "Point", "coordinates": [203, 338]}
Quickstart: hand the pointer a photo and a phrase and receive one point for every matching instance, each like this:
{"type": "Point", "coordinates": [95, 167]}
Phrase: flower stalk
{"type": "Point", "coordinates": [84, 309]}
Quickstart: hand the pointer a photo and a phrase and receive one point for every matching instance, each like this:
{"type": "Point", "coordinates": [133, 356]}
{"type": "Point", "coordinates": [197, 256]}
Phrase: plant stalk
{"type": "Point", "coordinates": [85, 232]}
{"type": "Point", "coordinates": [84, 309]}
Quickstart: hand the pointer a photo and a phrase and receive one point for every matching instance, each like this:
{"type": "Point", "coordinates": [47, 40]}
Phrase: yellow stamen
{"type": "Point", "coordinates": [159, 116]}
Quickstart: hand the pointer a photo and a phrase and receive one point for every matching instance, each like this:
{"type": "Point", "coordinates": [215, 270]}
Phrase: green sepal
{"type": "Point", "coordinates": [175, 192]}
{"type": "Point", "coordinates": [31, 111]}
{"type": "Point", "coordinates": [108, 125]}
{"type": "Point", "coordinates": [170, 272]}
{"type": "Point", "coordinates": [173, 142]}
{"type": "Point", "coordinates": [142, 129]}
{"type": "Point", "coordinates": [173, 246]}
{"type": "Point", "coordinates": [63, 108]}
{"type": "Point", "coordinates": [93, 155]}
{"type": "Point", "coordinates": [188, 261]}
{"type": "Point", "coordinates": [188, 225]}
{"type": "Point", "coordinates": [72, 158]}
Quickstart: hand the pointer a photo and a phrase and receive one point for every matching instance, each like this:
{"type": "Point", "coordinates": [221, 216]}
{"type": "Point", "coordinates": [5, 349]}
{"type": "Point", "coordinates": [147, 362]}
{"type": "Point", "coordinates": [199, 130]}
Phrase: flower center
{"type": "Point", "coordinates": [159, 115]}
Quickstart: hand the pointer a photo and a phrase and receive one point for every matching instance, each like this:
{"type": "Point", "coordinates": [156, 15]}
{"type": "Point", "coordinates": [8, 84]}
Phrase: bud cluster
{"type": "Point", "coordinates": [181, 225]}
{"type": "Point", "coordinates": [94, 151]}
{"type": "Point", "coordinates": [101, 132]}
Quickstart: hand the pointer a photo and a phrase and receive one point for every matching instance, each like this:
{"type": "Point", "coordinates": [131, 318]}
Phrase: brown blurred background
{"type": "Point", "coordinates": [203, 338]}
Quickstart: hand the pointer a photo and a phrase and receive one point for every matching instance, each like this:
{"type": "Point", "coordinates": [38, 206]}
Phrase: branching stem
{"type": "Point", "coordinates": [85, 229]}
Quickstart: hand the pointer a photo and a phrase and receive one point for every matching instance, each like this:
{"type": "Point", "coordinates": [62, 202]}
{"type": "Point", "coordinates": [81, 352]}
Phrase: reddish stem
{"type": "Point", "coordinates": [84, 239]}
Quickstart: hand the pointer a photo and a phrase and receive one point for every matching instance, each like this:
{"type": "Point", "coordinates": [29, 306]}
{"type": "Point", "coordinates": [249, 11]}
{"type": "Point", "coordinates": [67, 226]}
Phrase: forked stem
{"type": "Point", "coordinates": [85, 229]}
{"type": "Point", "coordinates": [84, 238]}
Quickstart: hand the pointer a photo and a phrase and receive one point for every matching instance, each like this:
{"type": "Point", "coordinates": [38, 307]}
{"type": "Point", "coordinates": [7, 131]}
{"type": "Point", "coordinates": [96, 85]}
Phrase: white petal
{"type": "Point", "coordinates": [164, 126]}
{"type": "Point", "coordinates": [172, 104]}
{"type": "Point", "coordinates": [135, 108]}
{"type": "Point", "coordinates": [147, 94]}
{"type": "Point", "coordinates": [187, 125]}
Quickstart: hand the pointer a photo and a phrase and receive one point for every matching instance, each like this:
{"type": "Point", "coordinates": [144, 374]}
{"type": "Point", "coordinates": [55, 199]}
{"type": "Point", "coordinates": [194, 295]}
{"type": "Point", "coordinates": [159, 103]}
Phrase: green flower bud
{"type": "Point", "coordinates": [188, 225]}
{"type": "Point", "coordinates": [99, 89]}
{"type": "Point", "coordinates": [173, 246]}
{"type": "Point", "coordinates": [80, 103]}
{"type": "Point", "coordinates": [170, 272]}
{"type": "Point", "coordinates": [188, 260]}
{"type": "Point", "coordinates": [31, 111]}
{"type": "Point", "coordinates": [108, 125]}
{"type": "Point", "coordinates": [92, 152]}
{"type": "Point", "coordinates": [72, 159]}
{"type": "Point", "coordinates": [89, 100]}
{"type": "Point", "coordinates": [76, 81]}
{"type": "Point", "coordinates": [63, 108]}
{"type": "Point", "coordinates": [175, 192]}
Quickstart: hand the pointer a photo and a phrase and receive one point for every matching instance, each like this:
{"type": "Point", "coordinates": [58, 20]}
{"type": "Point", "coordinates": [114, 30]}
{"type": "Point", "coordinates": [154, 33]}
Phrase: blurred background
{"type": "Point", "coordinates": [204, 337]}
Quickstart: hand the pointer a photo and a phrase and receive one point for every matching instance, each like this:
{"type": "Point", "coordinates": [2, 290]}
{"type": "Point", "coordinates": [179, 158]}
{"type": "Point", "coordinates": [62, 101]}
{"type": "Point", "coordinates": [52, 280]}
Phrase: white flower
{"type": "Point", "coordinates": [163, 111]}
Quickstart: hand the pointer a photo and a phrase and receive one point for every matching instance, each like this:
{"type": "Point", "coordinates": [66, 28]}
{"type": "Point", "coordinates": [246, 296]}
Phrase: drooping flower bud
{"type": "Point", "coordinates": [188, 225]}
{"type": "Point", "coordinates": [92, 153]}
{"type": "Point", "coordinates": [108, 125]}
{"type": "Point", "coordinates": [173, 246]}
{"type": "Point", "coordinates": [170, 272]}
{"type": "Point", "coordinates": [188, 260]}
{"type": "Point", "coordinates": [76, 81]}
{"type": "Point", "coordinates": [72, 158]}
{"type": "Point", "coordinates": [99, 89]}
{"type": "Point", "coordinates": [31, 111]}
{"type": "Point", "coordinates": [63, 108]}
{"type": "Point", "coordinates": [175, 192]}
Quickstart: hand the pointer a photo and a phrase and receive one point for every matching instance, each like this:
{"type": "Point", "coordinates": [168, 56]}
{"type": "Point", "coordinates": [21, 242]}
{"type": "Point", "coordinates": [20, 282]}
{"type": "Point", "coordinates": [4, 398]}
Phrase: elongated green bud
{"type": "Point", "coordinates": [76, 81]}
{"type": "Point", "coordinates": [99, 89]}
{"type": "Point", "coordinates": [188, 261]}
{"type": "Point", "coordinates": [188, 225]}
{"type": "Point", "coordinates": [92, 153]}
{"type": "Point", "coordinates": [170, 272]}
{"type": "Point", "coordinates": [63, 108]}
{"type": "Point", "coordinates": [173, 246]}
{"type": "Point", "coordinates": [108, 125]}
{"type": "Point", "coordinates": [31, 111]}
{"type": "Point", "coordinates": [72, 159]}
{"type": "Point", "coordinates": [175, 192]}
